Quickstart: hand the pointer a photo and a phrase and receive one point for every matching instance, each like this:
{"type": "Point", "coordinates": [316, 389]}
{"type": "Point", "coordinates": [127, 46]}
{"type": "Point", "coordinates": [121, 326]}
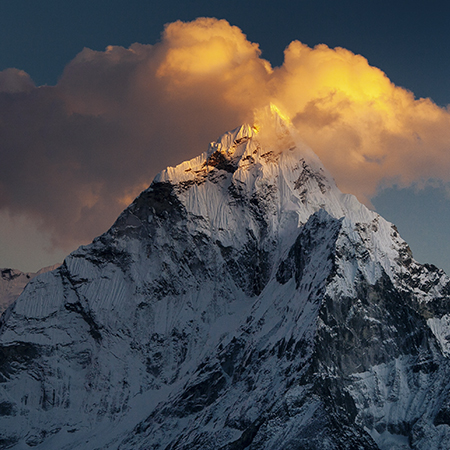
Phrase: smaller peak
{"type": "Point", "coordinates": [10, 274]}
{"type": "Point", "coordinates": [245, 131]}
{"type": "Point", "coordinates": [232, 138]}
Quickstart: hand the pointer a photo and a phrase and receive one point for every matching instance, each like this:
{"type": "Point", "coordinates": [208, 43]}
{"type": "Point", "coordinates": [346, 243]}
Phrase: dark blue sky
{"type": "Point", "coordinates": [409, 41]}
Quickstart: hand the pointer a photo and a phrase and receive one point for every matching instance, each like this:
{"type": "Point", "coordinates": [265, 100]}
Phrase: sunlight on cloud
{"type": "Point", "coordinates": [364, 128]}
{"type": "Point", "coordinates": [205, 46]}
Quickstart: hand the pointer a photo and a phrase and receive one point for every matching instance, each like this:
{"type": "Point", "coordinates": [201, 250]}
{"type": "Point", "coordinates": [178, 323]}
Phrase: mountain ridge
{"type": "Point", "coordinates": [13, 281]}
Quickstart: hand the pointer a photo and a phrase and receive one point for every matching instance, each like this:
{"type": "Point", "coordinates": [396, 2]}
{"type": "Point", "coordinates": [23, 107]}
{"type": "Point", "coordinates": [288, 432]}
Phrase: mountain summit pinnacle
{"type": "Point", "coordinates": [240, 302]}
{"type": "Point", "coordinates": [271, 121]}
{"type": "Point", "coordinates": [272, 132]}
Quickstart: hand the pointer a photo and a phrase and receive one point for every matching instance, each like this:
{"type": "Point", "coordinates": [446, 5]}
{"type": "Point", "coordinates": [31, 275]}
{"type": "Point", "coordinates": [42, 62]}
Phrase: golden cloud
{"type": "Point", "coordinates": [365, 129]}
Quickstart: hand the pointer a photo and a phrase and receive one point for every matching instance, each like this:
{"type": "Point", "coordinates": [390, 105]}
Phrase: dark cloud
{"type": "Point", "coordinates": [14, 80]}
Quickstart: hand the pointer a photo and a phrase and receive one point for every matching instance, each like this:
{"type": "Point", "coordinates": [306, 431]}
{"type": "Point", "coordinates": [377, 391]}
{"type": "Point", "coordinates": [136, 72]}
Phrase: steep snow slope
{"type": "Point", "coordinates": [240, 302]}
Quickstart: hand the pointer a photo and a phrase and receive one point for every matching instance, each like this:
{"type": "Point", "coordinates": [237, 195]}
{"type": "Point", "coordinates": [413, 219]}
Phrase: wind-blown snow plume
{"type": "Point", "coordinates": [74, 154]}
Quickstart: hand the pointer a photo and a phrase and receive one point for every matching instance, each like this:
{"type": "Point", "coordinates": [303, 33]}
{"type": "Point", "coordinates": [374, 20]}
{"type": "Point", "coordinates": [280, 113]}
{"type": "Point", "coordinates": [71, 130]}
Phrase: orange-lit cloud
{"type": "Point", "coordinates": [365, 129]}
{"type": "Point", "coordinates": [73, 153]}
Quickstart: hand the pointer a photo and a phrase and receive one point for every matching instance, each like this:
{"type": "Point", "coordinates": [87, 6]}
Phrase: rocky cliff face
{"type": "Point", "coordinates": [240, 302]}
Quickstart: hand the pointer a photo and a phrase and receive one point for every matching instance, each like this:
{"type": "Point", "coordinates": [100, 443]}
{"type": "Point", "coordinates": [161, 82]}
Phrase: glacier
{"type": "Point", "coordinates": [241, 302]}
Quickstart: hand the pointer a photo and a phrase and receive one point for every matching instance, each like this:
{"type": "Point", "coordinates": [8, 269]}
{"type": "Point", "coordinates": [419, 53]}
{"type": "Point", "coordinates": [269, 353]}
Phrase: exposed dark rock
{"type": "Point", "coordinates": [94, 327]}
{"type": "Point", "coordinates": [220, 162]}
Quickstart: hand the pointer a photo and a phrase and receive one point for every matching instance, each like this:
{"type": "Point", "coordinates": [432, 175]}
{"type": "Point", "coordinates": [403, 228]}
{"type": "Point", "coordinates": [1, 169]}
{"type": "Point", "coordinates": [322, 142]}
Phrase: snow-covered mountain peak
{"type": "Point", "coordinates": [267, 169]}
{"type": "Point", "coordinates": [264, 165]}
{"type": "Point", "coordinates": [255, 154]}
{"type": "Point", "coordinates": [240, 302]}
{"type": "Point", "coordinates": [270, 134]}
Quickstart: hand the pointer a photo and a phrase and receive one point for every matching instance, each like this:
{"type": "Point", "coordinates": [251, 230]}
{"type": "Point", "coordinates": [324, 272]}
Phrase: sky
{"type": "Point", "coordinates": [97, 97]}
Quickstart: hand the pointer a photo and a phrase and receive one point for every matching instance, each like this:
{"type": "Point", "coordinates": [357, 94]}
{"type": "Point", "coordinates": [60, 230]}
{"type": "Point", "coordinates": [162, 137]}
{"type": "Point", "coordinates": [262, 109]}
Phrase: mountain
{"type": "Point", "coordinates": [13, 281]}
{"type": "Point", "coordinates": [240, 302]}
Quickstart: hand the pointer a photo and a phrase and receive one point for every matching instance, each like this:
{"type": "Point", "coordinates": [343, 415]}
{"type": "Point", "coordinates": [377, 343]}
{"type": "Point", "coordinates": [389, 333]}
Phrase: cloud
{"type": "Point", "coordinates": [366, 130]}
{"type": "Point", "coordinates": [74, 154]}
{"type": "Point", "coordinates": [15, 80]}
